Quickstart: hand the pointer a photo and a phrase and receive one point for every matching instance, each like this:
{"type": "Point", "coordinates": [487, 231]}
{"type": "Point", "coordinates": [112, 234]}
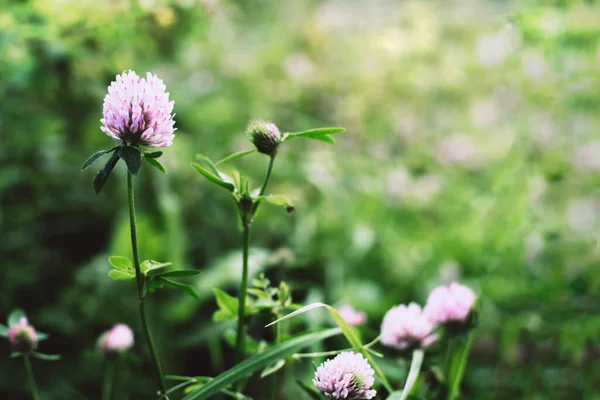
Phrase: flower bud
{"type": "Point", "coordinates": [119, 339]}
{"type": "Point", "coordinates": [22, 336]}
{"type": "Point", "coordinates": [265, 136]}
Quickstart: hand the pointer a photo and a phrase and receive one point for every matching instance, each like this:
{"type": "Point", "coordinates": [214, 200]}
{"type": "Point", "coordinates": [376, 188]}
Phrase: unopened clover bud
{"type": "Point", "coordinates": [265, 136]}
{"type": "Point", "coordinates": [22, 336]}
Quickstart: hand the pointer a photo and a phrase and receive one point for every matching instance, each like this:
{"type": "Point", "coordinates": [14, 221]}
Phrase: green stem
{"type": "Point", "coordinates": [269, 169]}
{"type": "Point", "coordinates": [109, 375]}
{"type": "Point", "coordinates": [31, 378]}
{"type": "Point", "coordinates": [241, 328]}
{"type": "Point", "coordinates": [274, 378]}
{"type": "Point", "coordinates": [413, 373]}
{"type": "Point", "coordinates": [457, 364]}
{"type": "Point", "coordinates": [141, 283]}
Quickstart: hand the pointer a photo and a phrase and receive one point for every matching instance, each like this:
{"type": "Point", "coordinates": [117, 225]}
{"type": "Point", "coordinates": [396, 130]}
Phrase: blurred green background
{"type": "Point", "coordinates": [472, 153]}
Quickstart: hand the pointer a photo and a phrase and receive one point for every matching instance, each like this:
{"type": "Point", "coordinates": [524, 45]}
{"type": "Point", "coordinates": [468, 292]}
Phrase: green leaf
{"type": "Point", "coordinates": [348, 333]}
{"type": "Point", "coordinates": [95, 158]}
{"type": "Point", "coordinates": [153, 268]}
{"type": "Point", "coordinates": [132, 157]}
{"type": "Point", "coordinates": [180, 378]}
{"type": "Point", "coordinates": [3, 331]}
{"type": "Point", "coordinates": [102, 175]}
{"type": "Point", "coordinates": [235, 156]}
{"type": "Point", "coordinates": [258, 361]}
{"type": "Point", "coordinates": [15, 354]}
{"type": "Point", "coordinates": [179, 273]}
{"type": "Point", "coordinates": [210, 163]}
{"type": "Point", "coordinates": [318, 132]}
{"type": "Point", "coordinates": [41, 336]}
{"type": "Point", "coordinates": [15, 316]}
{"type": "Point", "coordinates": [321, 134]}
{"type": "Point", "coordinates": [156, 164]}
{"type": "Point", "coordinates": [458, 349]}
{"type": "Point", "coordinates": [181, 286]}
{"type": "Point", "coordinates": [280, 200]}
{"type": "Point", "coordinates": [117, 275]}
{"type": "Point", "coordinates": [121, 263]}
{"type": "Point", "coordinates": [272, 368]}
{"type": "Point", "coordinates": [228, 304]}
{"type": "Point", "coordinates": [213, 178]}
{"type": "Point", "coordinates": [46, 357]}
{"type": "Point", "coordinates": [154, 154]}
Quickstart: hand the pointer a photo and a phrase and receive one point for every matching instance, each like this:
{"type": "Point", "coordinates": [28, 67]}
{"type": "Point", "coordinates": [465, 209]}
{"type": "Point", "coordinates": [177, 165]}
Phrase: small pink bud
{"type": "Point", "coordinates": [118, 339]}
{"type": "Point", "coordinates": [22, 336]}
{"type": "Point", "coordinates": [351, 316]}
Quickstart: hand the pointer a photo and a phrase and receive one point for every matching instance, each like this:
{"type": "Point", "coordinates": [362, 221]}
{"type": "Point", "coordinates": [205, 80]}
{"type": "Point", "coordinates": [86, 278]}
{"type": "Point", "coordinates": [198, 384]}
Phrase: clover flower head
{"type": "Point", "coordinates": [118, 339]}
{"type": "Point", "coordinates": [347, 376]}
{"type": "Point", "coordinates": [264, 135]}
{"type": "Point", "coordinates": [22, 336]}
{"type": "Point", "coordinates": [138, 111]}
{"type": "Point", "coordinates": [351, 316]}
{"type": "Point", "coordinates": [406, 327]}
{"type": "Point", "coordinates": [450, 304]}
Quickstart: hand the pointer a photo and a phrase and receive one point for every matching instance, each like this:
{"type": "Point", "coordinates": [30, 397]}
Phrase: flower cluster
{"type": "Point", "coordinates": [407, 327]}
{"type": "Point", "coordinates": [119, 339]}
{"type": "Point", "coordinates": [347, 376]}
{"type": "Point", "coordinates": [22, 336]}
{"type": "Point", "coordinates": [450, 304]}
{"type": "Point", "coordinates": [138, 111]}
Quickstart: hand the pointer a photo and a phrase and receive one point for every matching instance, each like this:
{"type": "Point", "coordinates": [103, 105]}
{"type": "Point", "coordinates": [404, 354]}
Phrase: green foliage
{"type": "Point", "coordinates": [102, 175]}
{"type": "Point", "coordinates": [322, 134]}
{"type": "Point", "coordinates": [259, 361]}
{"type": "Point", "coordinates": [348, 332]}
{"type": "Point", "coordinates": [132, 157]}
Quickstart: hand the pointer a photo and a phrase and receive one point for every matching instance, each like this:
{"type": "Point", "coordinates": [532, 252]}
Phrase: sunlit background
{"type": "Point", "coordinates": [472, 153]}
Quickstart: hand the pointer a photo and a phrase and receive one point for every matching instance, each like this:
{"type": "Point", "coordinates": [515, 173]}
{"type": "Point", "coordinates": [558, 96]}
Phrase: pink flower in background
{"type": "Point", "coordinates": [347, 376]}
{"type": "Point", "coordinates": [406, 327]}
{"type": "Point", "coordinates": [587, 157]}
{"type": "Point", "coordinates": [138, 111]}
{"type": "Point", "coordinates": [119, 339]}
{"type": "Point", "coordinates": [351, 316]}
{"type": "Point", "coordinates": [452, 303]}
{"type": "Point", "coordinates": [22, 336]}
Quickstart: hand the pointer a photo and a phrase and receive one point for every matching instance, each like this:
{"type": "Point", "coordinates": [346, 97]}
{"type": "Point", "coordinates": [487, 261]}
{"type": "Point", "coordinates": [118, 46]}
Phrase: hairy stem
{"type": "Point", "coordinates": [109, 376]}
{"type": "Point", "coordinates": [141, 283]}
{"type": "Point", "coordinates": [30, 378]}
{"type": "Point", "coordinates": [241, 328]}
{"type": "Point", "coordinates": [267, 176]}
{"type": "Point", "coordinates": [413, 373]}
